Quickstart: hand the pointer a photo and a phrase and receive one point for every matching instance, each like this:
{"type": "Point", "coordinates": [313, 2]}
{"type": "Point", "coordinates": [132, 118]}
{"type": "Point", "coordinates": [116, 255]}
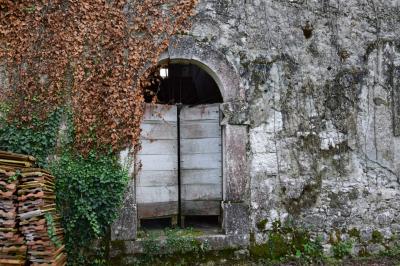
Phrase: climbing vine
{"type": "Point", "coordinates": [51, 229]}
{"type": "Point", "coordinates": [93, 55]}
{"type": "Point", "coordinates": [88, 191]}
{"type": "Point", "coordinates": [37, 139]}
{"type": "Point", "coordinates": [83, 64]}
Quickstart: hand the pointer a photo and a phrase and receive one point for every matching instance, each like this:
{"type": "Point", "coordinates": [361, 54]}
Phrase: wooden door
{"type": "Point", "coordinates": [157, 161]}
{"type": "Point", "coordinates": [200, 160]}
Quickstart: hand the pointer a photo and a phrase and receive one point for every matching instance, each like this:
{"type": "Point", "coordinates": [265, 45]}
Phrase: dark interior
{"type": "Point", "coordinates": [185, 84]}
{"type": "Point", "coordinates": [202, 222]}
{"type": "Point", "coordinates": [156, 223]}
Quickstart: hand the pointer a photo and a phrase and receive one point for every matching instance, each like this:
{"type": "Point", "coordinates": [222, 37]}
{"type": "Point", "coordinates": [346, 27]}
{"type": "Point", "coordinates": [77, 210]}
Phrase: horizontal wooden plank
{"type": "Point", "coordinates": [201, 207]}
{"type": "Point", "coordinates": [202, 176]}
{"type": "Point", "coordinates": [204, 145]}
{"type": "Point", "coordinates": [201, 161]}
{"type": "Point", "coordinates": [158, 131]}
{"type": "Point", "coordinates": [157, 178]}
{"type": "Point", "coordinates": [156, 194]}
{"type": "Point", "coordinates": [158, 209]}
{"type": "Point", "coordinates": [157, 162]}
{"type": "Point", "coordinates": [160, 112]}
{"type": "Point", "coordinates": [201, 192]}
{"type": "Point", "coordinates": [200, 112]}
{"type": "Point", "coordinates": [200, 130]}
{"type": "Point", "coordinates": [163, 146]}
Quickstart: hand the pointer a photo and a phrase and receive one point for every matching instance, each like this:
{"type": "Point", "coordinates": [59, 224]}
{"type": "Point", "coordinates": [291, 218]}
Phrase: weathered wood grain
{"type": "Point", "coordinates": [201, 129]}
{"type": "Point", "coordinates": [157, 194]}
{"type": "Point", "coordinates": [201, 161]}
{"type": "Point", "coordinates": [163, 146]}
{"type": "Point", "coordinates": [200, 112]}
{"type": "Point", "coordinates": [157, 178]}
{"type": "Point", "coordinates": [205, 145]}
{"type": "Point", "coordinates": [160, 112]}
{"type": "Point", "coordinates": [207, 207]}
{"type": "Point", "coordinates": [158, 131]}
{"type": "Point", "coordinates": [201, 192]}
{"type": "Point", "coordinates": [157, 162]}
{"type": "Point", "coordinates": [202, 176]}
{"type": "Point", "coordinates": [157, 209]}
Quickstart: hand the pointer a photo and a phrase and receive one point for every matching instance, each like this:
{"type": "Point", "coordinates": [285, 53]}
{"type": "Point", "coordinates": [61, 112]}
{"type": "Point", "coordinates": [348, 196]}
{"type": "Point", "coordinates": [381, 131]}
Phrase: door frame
{"type": "Point", "coordinates": [235, 172]}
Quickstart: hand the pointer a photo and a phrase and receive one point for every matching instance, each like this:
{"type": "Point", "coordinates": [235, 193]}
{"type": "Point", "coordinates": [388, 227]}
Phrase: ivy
{"type": "Point", "coordinates": [51, 229]}
{"type": "Point", "coordinates": [37, 139]}
{"type": "Point", "coordinates": [89, 191]}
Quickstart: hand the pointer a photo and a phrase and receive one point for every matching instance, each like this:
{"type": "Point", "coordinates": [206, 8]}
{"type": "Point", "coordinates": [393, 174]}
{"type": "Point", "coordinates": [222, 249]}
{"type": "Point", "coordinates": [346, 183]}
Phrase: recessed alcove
{"type": "Point", "coordinates": [190, 187]}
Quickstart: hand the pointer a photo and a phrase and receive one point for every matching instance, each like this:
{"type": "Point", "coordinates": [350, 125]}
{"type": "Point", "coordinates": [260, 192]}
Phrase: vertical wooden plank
{"type": "Point", "coordinates": [201, 159]}
{"type": "Point", "coordinates": [157, 161]}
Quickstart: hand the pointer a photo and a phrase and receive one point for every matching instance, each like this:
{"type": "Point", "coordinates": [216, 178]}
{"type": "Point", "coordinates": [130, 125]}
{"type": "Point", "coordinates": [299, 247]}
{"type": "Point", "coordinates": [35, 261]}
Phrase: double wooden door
{"type": "Point", "coordinates": [179, 169]}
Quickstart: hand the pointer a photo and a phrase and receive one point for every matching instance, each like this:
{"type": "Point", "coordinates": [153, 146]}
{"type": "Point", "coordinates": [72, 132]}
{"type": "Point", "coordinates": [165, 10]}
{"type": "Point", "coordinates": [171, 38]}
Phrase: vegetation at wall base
{"type": "Point", "coordinates": [89, 191]}
{"type": "Point", "coordinates": [287, 242]}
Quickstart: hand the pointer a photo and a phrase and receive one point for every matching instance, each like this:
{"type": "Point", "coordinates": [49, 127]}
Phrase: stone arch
{"type": "Point", "coordinates": [235, 203]}
{"type": "Point", "coordinates": [184, 49]}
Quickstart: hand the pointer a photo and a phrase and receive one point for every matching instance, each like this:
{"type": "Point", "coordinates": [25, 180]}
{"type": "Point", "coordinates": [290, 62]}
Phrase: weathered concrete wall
{"type": "Point", "coordinates": [322, 82]}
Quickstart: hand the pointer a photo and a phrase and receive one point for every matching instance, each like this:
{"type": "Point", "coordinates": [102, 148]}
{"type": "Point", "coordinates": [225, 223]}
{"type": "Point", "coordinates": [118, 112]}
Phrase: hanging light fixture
{"type": "Point", "coordinates": [164, 72]}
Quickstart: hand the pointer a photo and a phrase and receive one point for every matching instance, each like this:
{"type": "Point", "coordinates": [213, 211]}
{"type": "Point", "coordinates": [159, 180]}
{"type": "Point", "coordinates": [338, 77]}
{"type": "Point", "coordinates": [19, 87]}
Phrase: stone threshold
{"type": "Point", "coordinates": [214, 242]}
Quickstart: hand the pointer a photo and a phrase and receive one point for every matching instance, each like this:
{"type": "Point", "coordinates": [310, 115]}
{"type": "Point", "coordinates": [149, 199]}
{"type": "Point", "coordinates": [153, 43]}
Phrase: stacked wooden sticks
{"type": "Point", "coordinates": [35, 211]}
{"type": "Point", "coordinates": [38, 218]}
{"type": "Point", "coordinates": [12, 243]}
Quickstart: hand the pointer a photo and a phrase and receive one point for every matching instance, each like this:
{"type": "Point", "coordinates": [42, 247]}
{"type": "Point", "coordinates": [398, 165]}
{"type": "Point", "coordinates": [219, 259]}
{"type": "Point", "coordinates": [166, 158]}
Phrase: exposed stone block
{"type": "Point", "coordinates": [236, 171]}
{"type": "Point", "coordinates": [121, 249]}
{"type": "Point", "coordinates": [236, 219]}
{"type": "Point", "coordinates": [265, 163]}
{"type": "Point", "coordinates": [396, 101]}
{"type": "Point", "coordinates": [235, 113]}
{"type": "Point", "coordinates": [124, 228]}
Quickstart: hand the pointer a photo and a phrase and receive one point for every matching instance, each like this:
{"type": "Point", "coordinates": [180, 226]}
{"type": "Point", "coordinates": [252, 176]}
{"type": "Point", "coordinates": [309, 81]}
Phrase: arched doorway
{"type": "Point", "coordinates": [180, 162]}
{"type": "Point", "coordinates": [235, 176]}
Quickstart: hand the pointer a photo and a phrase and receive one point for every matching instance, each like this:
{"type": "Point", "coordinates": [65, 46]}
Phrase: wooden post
{"type": "Point", "coordinates": [174, 221]}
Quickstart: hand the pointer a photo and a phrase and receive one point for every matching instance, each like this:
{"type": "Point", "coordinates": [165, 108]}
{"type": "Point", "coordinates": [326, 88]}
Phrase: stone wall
{"type": "Point", "coordinates": [319, 91]}
{"type": "Point", "coordinates": [322, 80]}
